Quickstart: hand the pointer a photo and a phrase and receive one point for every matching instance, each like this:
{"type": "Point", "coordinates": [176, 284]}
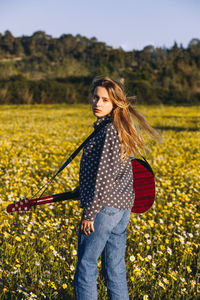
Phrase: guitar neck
{"type": "Point", "coordinates": [73, 195]}
{"type": "Point", "coordinates": [25, 204]}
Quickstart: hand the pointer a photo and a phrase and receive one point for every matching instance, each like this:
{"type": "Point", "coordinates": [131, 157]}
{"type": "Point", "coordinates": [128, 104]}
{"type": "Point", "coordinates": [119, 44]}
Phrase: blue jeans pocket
{"type": "Point", "coordinates": [109, 210]}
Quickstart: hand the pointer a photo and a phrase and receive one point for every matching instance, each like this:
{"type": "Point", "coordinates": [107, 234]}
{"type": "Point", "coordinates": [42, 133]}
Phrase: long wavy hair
{"type": "Point", "coordinates": [124, 116]}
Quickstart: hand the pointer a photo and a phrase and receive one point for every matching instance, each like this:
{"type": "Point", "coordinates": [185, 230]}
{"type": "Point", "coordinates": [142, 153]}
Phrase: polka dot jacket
{"type": "Point", "coordinates": [103, 178]}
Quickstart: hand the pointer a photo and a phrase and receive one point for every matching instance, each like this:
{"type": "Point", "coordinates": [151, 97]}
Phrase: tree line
{"type": "Point", "coordinates": [44, 69]}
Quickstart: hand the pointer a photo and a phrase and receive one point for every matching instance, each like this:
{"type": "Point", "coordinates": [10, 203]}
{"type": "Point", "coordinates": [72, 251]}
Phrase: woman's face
{"type": "Point", "coordinates": [101, 102]}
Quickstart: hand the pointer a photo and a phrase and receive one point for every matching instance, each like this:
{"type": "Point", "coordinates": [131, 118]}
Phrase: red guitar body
{"type": "Point", "coordinates": [143, 185]}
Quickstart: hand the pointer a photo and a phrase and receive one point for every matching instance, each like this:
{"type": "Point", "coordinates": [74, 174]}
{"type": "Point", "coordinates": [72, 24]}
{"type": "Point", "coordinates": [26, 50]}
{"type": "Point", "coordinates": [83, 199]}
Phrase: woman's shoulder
{"type": "Point", "coordinates": [110, 128]}
{"type": "Point", "coordinates": [111, 132]}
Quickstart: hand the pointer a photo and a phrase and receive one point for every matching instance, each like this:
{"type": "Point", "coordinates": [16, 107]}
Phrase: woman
{"type": "Point", "coordinates": [106, 191]}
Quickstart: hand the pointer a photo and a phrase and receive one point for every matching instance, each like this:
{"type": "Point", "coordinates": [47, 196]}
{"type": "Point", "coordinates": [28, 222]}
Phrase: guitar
{"type": "Point", "coordinates": [25, 204]}
{"type": "Point", "coordinates": [143, 186]}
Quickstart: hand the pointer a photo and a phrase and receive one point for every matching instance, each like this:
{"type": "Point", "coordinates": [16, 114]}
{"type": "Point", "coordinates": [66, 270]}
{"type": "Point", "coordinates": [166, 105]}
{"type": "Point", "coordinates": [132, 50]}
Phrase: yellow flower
{"type": "Point", "coordinates": [6, 235]}
{"type": "Point", "coordinates": [172, 276]}
{"type": "Point", "coordinates": [43, 239]}
{"type": "Point", "coordinates": [64, 286]}
{"type": "Point", "coordinates": [137, 271]}
{"type": "Point", "coordinates": [151, 223]}
{"type": "Point", "coordinates": [53, 286]}
{"type": "Point", "coordinates": [140, 257]}
{"type": "Point", "coordinates": [99, 263]}
{"type": "Point", "coordinates": [165, 281]}
{"type": "Point", "coordinates": [18, 238]}
{"type": "Point", "coordinates": [52, 248]}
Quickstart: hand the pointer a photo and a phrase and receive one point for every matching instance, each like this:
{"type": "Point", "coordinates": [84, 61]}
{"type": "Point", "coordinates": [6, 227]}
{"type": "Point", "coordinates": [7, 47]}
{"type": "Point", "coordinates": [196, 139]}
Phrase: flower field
{"type": "Point", "coordinates": [38, 248]}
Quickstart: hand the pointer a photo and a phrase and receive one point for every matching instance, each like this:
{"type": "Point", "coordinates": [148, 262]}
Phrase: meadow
{"type": "Point", "coordinates": [38, 248]}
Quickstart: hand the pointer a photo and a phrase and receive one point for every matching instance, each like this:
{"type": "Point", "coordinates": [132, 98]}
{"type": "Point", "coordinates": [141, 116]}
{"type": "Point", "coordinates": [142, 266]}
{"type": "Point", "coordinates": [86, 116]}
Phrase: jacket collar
{"type": "Point", "coordinates": [102, 120]}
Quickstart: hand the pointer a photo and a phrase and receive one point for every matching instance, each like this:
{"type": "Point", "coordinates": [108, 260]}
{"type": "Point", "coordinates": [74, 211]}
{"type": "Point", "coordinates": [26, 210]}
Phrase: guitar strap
{"type": "Point", "coordinates": [74, 154]}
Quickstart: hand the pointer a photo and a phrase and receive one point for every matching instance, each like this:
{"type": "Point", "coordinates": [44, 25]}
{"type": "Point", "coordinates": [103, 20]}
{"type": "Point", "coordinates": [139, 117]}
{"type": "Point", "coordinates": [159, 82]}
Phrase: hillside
{"type": "Point", "coordinates": [44, 69]}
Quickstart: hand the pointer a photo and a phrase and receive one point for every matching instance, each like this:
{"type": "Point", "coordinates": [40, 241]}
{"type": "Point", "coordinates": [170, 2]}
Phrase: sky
{"type": "Point", "coordinates": [130, 24]}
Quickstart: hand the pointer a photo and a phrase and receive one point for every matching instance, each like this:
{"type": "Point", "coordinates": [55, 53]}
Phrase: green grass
{"type": "Point", "coordinates": [38, 248]}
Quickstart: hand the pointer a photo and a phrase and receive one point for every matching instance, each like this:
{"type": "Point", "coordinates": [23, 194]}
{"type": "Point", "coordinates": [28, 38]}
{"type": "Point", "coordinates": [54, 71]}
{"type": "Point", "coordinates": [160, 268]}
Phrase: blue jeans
{"type": "Point", "coordinates": [109, 241]}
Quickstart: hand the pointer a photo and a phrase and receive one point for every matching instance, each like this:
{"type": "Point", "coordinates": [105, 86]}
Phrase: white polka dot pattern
{"type": "Point", "coordinates": [103, 178]}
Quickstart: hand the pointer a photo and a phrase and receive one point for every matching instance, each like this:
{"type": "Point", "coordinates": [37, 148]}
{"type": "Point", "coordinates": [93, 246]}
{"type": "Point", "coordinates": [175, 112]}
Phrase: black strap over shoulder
{"type": "Point", "coordinates": [74, 154]}
{"type": "Point", "coordinates": [81, 146]}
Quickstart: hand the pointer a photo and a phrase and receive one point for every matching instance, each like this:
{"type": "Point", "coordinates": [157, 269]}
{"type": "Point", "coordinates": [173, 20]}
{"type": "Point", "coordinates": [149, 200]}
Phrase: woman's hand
{"type": "Point", "coordinates": [87, 226]}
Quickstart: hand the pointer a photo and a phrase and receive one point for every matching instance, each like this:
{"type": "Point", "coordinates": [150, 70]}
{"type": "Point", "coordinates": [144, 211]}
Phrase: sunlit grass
{"type": "Point", "coordinates": [38, 249]}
